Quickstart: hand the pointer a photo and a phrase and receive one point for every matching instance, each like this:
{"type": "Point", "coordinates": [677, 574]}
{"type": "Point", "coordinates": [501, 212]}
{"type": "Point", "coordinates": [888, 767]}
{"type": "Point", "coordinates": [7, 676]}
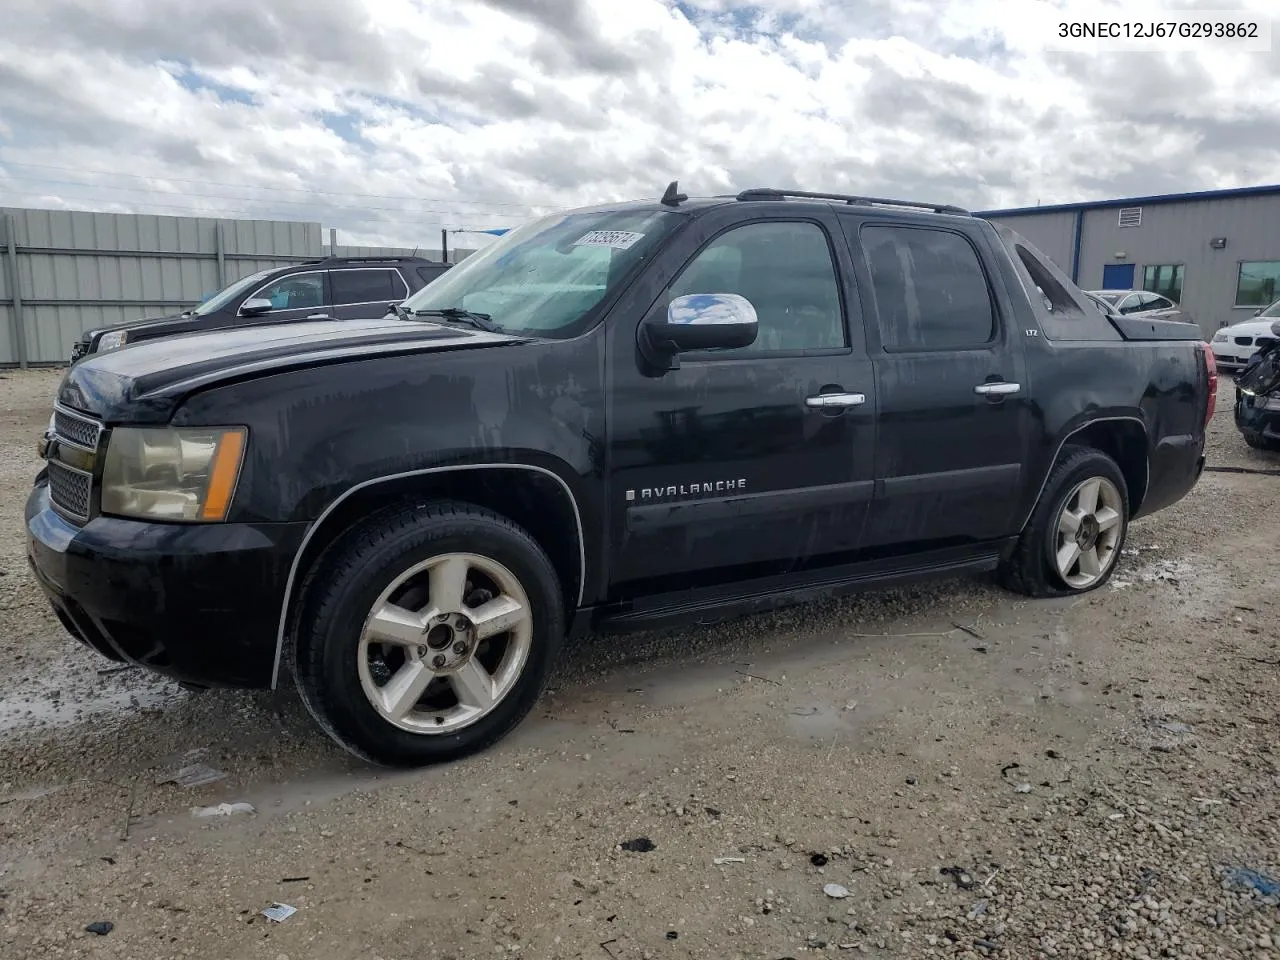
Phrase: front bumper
{"type": "Point", "coordinates": [195, 602]}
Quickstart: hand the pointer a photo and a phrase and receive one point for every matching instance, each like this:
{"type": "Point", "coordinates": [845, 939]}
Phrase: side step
{"type": "Point", "coordinates": [755, 596]}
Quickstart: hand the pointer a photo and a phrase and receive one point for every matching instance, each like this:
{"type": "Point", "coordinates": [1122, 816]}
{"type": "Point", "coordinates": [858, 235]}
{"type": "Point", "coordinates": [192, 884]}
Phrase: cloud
{"type": "Point", "coordinates": [390, 119]}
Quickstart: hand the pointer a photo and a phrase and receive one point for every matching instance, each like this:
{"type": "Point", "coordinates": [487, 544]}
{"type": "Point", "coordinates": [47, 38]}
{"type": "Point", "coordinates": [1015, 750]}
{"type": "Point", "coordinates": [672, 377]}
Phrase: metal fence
{"type": "Point", "coordinates": [65, 272]}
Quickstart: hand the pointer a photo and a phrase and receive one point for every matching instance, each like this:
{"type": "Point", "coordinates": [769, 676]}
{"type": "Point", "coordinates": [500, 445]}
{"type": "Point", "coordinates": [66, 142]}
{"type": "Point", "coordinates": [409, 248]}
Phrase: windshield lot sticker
{"type": "Point", "coordinates": [617, 239]}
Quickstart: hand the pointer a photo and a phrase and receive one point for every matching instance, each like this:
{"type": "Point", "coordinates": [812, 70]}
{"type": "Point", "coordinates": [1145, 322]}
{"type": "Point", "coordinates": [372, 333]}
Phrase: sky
{"type": "Point", "coordinates": [392, 119]}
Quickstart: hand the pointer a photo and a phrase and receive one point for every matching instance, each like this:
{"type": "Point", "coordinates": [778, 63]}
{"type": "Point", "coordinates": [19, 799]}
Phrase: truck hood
{"type": "Point", "coordinates": [144, 383]}
{"type": "Point", "coordinates": [89, 335]}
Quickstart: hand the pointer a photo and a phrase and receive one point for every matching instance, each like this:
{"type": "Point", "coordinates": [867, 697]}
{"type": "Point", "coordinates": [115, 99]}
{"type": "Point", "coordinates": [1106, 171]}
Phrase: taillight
{"type": "Point", "coordinates": [1211, 367]}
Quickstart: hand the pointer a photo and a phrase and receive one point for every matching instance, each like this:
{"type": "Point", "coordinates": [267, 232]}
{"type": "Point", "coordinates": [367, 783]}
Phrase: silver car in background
{"type": "Point", "coordinates": [1129, 303]}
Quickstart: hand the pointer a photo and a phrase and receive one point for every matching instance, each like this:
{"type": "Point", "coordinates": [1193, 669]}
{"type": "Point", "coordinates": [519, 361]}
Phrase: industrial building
{"type": "Point", "coordinates": [1216, 252]}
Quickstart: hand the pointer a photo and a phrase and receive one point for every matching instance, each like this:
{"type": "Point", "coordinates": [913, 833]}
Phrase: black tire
{"type": "Point", "coordinates": [1030, 570]}
{"type": "Point", "coordinates": [1256, 440]}
{"type": "Point", "coordinates": [347, 581]}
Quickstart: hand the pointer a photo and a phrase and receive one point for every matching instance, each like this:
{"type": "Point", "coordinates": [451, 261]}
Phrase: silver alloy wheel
{"type": "Point", "coordinates": [458, 628]}
{"type": "Point", "coordinates": [1088, 532]}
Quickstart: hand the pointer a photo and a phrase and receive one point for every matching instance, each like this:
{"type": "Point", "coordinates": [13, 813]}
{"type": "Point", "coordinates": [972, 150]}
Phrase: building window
{"type": "Point", "coordinates": [1258, 284]}
{"type": "Point", "coordinates": [1130, 216]}
{"type": "Point", "coordinates": [1164, 279]}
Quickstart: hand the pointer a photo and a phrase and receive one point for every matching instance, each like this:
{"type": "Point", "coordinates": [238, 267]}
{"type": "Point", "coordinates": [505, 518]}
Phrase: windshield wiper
{"type": "Point", "coordinates": [480, 321]}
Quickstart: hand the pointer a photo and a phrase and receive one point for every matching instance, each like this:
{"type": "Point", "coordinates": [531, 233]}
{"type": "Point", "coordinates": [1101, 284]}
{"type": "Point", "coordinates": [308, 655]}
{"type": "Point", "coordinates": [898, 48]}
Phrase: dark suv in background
{"type": "Point", "coordinates": [344, 288]}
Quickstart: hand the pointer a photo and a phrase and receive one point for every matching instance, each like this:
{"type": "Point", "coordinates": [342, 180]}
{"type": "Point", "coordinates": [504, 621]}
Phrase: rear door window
{"type": "Point", "coordinates": [366, 286]}
{"type": "Point", "coordinates": [930, 289]}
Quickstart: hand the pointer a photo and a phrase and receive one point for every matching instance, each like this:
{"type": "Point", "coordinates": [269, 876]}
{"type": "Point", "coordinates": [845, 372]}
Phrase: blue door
{"type": "Point", "coordinates": [1117, 276]}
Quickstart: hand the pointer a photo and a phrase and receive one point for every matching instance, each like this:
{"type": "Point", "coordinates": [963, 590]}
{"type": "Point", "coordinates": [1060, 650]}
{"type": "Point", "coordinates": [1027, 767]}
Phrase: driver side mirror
{"type": "Point", "coordinates": [255, 306]}
{"type": "Point", "coordinates": [698, 321]}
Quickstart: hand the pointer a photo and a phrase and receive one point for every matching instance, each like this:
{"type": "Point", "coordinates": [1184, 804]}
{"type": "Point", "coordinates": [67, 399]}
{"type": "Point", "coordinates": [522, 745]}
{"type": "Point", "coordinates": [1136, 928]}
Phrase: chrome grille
{"type": "Point", "coordinates": [83, 433]}
{"type": "Point", "coordinates": [70, 480]}
{"type": "Point", "coordinates": [70, 489]}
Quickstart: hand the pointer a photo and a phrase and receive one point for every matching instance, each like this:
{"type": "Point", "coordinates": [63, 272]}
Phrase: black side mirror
{"type": "Point", "coordinates": [698, 321]}
{"type": "Point", "coordinates": [256, 306]}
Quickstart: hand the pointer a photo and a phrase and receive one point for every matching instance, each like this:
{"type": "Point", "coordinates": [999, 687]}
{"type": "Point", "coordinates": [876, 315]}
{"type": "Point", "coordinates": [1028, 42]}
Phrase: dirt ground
{"type": "Point", "coordinates": [980, 774]}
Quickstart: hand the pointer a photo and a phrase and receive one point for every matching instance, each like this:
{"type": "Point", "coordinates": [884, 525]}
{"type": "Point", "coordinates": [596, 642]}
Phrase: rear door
{"type": "Point", "coordinates": [954, 408]}
{"type": "Point", "coordinates": [360, 292]}
{"type": "Point", "coordinates": [753, 460]}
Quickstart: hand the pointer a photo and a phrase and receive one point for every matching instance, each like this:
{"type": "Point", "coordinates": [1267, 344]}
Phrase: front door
{"type": "Point", "coordinates": [294, 297]}
{"type": "Point", "coordinates": [954, 412]}
{"type": "Point", "coordinates": [1117, 276]}
{"type": "Point", "coordinates": [751, 460]}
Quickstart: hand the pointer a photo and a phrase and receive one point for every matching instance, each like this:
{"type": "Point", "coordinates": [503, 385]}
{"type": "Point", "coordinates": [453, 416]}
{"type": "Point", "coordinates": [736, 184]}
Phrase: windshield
{"type": "Point", "coordinates": [1111, 298]}
{"type": "Point", "coordinates": [231, 291]}
{"type": "Point", "coordinates": [548, 277]}
{"type": "Point", "coordinates": [1271, 311]}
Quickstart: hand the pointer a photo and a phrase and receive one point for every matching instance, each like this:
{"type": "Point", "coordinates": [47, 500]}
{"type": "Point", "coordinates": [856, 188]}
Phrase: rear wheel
{"type": "Point", "coordinates": [1077, 530]}
{"type": "Point", "coordinates": [428, 634]}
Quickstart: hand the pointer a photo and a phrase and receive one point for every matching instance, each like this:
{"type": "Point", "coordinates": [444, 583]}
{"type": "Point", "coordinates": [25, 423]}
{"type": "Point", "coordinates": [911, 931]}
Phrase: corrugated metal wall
{"type": "Point", "coordinates": [75, 270]}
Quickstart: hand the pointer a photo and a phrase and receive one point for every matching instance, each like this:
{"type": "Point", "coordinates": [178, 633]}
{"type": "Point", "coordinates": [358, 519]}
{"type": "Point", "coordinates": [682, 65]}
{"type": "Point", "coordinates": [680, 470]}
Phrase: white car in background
{"type": "Point", "coordinates": [1234, 345]}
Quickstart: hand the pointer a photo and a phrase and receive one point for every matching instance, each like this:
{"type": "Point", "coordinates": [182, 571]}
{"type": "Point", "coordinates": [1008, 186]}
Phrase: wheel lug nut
{"type": "Point", "coordinates": [422, 651]}
{"type": "Point", "coordinates": [459, 647]}
{"type": "Point", "coordinates": [461, 623]}
{"type": "Point", "coordinates": [438, 660]}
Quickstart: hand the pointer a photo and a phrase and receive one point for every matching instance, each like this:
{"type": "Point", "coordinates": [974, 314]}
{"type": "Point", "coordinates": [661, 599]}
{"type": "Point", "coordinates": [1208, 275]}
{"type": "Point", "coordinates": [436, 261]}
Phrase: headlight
{"type": "Point", "coordinates": [172, 473]}
{"type": "Point", "coordinates": [1220, 336]}
{"type": "Point", "coordinates": [112, 341]}
{"type": "Point", "coordinates": [1267, 403]}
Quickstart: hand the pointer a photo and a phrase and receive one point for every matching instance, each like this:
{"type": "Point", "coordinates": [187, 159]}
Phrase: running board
{"type": "Point", "coordinates": [665, 611]}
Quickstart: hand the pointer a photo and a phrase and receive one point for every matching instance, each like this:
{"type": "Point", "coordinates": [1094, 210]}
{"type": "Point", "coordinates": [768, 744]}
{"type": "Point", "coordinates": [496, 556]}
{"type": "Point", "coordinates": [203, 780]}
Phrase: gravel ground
{"type": "Point", "coordinates": [978, 774]}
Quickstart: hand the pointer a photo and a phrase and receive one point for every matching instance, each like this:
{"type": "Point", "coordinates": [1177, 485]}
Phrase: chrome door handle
{"type": "Point", "coordinates": [836, 400]}
{"type": "Point", "coordinates": [997, 389]}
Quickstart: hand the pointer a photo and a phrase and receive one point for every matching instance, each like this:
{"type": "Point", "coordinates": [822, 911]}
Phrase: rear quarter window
{"type": "Point", "coordinates": [1062, 310]}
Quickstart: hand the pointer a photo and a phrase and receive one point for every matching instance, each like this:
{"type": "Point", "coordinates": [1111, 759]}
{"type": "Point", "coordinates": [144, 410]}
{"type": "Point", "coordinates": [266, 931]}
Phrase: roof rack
{"type": "Point", "coordinates": [771, 193]}
{"type": "Point", "coordinates": [395, 258]}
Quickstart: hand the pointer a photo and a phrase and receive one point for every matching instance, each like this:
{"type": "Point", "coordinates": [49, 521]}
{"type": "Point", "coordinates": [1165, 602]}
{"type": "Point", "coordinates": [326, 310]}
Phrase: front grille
{"type": "Point", "coordinates": [83, 433]}
{"type": "Point", "coordinates": [70, 489]}
{"type": "Point", "coordinates": [1245, 341]}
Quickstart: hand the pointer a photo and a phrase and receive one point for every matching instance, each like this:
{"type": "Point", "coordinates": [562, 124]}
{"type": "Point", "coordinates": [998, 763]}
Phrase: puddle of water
{"type": "Point", "coordinates": [35, 702]}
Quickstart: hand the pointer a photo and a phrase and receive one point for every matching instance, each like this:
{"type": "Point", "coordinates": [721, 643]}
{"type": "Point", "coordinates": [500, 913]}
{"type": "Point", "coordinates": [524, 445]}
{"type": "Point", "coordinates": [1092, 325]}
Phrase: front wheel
{"type": "Point", "coordinates": [1077, 531]}
{"type": "Point", "coordinates": [428, 634]}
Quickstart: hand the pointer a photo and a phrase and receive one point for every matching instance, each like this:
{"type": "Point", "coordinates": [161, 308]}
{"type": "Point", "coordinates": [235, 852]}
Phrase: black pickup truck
{"type": "Point", "coordinates": [616, 418]}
